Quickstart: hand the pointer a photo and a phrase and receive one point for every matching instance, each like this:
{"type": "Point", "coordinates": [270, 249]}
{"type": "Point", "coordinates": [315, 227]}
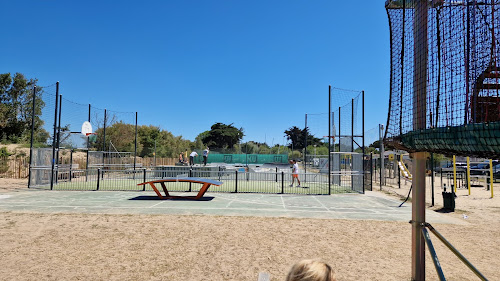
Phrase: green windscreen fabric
{"type": "Point", "coordinates": [480, 140]}
{"type": "Point", "coordinates": [246, 158]}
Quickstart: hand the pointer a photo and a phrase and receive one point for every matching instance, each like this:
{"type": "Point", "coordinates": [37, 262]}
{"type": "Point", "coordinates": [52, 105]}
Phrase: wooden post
{"type": "Point", "coordinates": [454, 174]}
{"type": "Point", "coordinates": [491, 177]}
{"type": "Point", "coordinates": [420, 48]}
{"type": "Point", "coordinates": [468, 174]}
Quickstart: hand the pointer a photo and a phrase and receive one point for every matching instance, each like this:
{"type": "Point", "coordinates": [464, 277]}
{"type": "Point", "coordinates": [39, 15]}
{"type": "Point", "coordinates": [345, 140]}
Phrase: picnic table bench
{"type": "Point", "coordinates": [206, 184]}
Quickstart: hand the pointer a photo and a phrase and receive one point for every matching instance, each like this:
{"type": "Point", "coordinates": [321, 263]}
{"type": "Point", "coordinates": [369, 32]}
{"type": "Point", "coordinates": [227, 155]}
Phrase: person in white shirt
{"type": "Point", "coordinates": [205, 156]}
{"type": "Point", "coordinates": [295, 173]}
{"type": "Point", "coordinates": [191, 157]}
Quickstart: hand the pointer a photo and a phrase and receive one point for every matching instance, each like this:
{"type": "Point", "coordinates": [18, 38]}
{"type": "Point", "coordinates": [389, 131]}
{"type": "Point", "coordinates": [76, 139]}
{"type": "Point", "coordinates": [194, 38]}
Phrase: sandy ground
{"type": "Point", "coordinates": [168, 247]}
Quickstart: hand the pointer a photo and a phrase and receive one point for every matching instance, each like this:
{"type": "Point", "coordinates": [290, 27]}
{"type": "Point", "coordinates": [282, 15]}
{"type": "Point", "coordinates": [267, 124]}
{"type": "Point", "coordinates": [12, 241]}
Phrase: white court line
{"type": "Point", "coordinates": [321, 203]}
{"type": "Point", "coordinates": [152, 206]}
{"type": "Point", "coordinates": [283, 202]}
{"type": "Point", "coordinates": [230, 202]}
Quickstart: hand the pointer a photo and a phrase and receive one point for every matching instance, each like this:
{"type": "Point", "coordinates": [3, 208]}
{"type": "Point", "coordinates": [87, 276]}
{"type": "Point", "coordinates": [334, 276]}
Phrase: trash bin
{"type": "Point", "coordinates": [449, 200]}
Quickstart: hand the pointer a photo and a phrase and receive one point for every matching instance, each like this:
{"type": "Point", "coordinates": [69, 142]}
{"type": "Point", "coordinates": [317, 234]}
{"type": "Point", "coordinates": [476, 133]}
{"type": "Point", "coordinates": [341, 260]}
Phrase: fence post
{"type": "Point", "coordinates": [432, 177]}
{"type": "Point", "coordinates": [276, 174]}
{"type": "Point", "coordinates": [54, 139]}
{"type": "Point", "coordinates": [236, 182]}
{"type": "Point", "coordinates": [219, 173]}
{"type": "Point", "coordinates": [58, 134]}
{"type": "Point", "coordinates": [282, 182]}
{"type": "Point", "coordinates": [32, 133]}
{"type": "Point", "coordinates": [70, 164]}
{"type": "Point", "coordinates": [190, 175]}
{"type": "Point", "coordinates": [144, 178]}
{"type": "Point", "coordinates": [371, 171]}
{"type": "Point", "coordinates": [98, 177]}
{"type": "Point", "coordinates": [135, 143]}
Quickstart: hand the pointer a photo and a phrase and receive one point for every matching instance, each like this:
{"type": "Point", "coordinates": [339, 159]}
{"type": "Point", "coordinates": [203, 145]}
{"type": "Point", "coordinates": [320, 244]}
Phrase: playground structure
{"type": "Point", "coordinates": [444, 93]}
{"type": "Point", "coordinates": [404, 170]}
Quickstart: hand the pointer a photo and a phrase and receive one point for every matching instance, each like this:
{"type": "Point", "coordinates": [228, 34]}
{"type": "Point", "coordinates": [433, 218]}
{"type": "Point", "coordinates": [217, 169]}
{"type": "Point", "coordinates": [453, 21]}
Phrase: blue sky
{"type": "Point", "coordinates": [184, 65]}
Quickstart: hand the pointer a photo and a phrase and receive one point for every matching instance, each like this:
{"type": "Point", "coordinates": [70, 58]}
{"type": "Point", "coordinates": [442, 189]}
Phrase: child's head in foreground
{"type": "Point", "coordinates": [311, 270]}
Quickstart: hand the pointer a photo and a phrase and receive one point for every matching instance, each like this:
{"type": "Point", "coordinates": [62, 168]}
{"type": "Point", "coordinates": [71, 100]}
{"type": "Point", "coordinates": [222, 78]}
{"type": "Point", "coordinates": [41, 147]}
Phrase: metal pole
{"type": "Point", "coordinates": [104, 133]}
{"type": "Point", "coordinates": [434, 256]}
{"type": "Point", "coordinates": [58, 137]}
{"type": "Point", "coordinates": [491, 177]}
{"type": "Point", "coordinates": [399, 170]}
{"type": "Point", "coordinates": [135, 142]}
{"type": "Point", "coordinates": [432, 177]}
{"type": "Point", "coordinates": [329, 138]}
{"type": "Point", "coordinates": [283, 183]}
{"type": "Point", "coordinates": [87, 158]}
{"type": "Point", "coordinates": [339, 135]}
{"type": "Point", "coordinates": [98, 177]}
{"type": "Point", "coordinates": [54, 139]}
{"type": "Point", "coordinates": [305, 151]}
{"type": "Point", "coordinates": [455, 251]}
{"type": "Point", "coordinates": [352, 142]}
{"type": "Point", "coordinates": [382, 152]}
{"type": "Point", "coordinates": [104, 141]}
{"type": "Point", "coordinates": [236, 181]}
{"type": "Point", "coordinates": [454, 174]}
{"type": "Point", "coordinates": [352, 125]}
{"type": "Point", "coordinates": [32, 133]}
{"type": "Point", "coordinates": [419, 122]}
{"type": "Point", "coordinates": [371, 171]}
{"type": "Point", "coordinates": [340, 156]}
{"type": "Point", "coordinates": [468, 174]}
{"type": "Point", "coordinates": [363, 133]}
{"type": "Point", "coordinates": [70, 164]}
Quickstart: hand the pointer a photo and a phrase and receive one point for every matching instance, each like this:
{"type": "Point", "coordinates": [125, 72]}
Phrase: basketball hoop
{"type": "Point", "coordinates": [332, 137]}
{"type": "Point", "coordinates": [92, 137]}
{"type": "Point", "coordinates": [86, 128]}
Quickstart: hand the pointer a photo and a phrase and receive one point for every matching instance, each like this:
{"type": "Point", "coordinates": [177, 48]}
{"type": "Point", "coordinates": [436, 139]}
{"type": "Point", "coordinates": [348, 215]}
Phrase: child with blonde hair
{"type": "Point", "coordinates": [311, 270]}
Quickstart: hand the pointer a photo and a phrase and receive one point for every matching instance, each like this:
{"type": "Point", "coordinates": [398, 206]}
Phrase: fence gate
{"type": "Point", "coordinates": [367, 168]}
{"type": "Point", "coordinates": [41, 167]}
{"type": "Point", "coordinates": [347, 170]}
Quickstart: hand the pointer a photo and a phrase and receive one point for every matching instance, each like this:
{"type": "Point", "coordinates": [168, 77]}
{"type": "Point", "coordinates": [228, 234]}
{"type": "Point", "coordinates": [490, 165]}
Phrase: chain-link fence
{"type": "Point", "coordinates": [59, 146]}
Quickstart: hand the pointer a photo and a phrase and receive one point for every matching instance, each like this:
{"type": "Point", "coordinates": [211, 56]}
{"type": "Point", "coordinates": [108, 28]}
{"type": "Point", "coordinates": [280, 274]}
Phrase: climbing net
{"type": "Point", "coordinates": [463, 90]}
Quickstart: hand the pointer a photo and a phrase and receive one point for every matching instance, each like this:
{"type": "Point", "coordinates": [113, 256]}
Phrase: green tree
{"type": "Point", "coordinates": [222, 136]}
{"type": "Point", "coordinates": [298, 136]}
{"type": "Point", "coordinates": [16, 109]}
{"type": "Point", "coordinates": [119, 136]}
{"type": "Point", "coordinates": [147, 136]}
{"type": "Point", "coordinates": [252, 147]}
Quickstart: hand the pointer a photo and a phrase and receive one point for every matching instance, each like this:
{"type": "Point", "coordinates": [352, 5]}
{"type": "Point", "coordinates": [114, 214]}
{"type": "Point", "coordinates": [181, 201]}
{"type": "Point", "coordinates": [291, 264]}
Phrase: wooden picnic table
{"type": "Point", "coordinates": [206, 184]}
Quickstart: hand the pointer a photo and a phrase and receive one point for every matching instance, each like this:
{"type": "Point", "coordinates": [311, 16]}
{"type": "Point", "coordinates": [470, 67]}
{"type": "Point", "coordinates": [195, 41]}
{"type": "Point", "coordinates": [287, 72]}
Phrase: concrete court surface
{"type": "Point", "coordinates": [369, 206]}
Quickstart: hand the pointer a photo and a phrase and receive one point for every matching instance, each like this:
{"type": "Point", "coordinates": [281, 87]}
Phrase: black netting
{"type": "Point", "coordinates": [462, 77]}
{"type": "Point", "coordinates": [346, 121]}
{"type": "Point", "coordinates": [48, 117]}
{"type": "Point", "coordinates": [72, 117]}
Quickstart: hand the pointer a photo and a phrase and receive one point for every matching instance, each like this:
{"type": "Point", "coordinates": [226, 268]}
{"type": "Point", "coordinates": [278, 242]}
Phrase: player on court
{"type": "Point", "coordinates": [295, 173]}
